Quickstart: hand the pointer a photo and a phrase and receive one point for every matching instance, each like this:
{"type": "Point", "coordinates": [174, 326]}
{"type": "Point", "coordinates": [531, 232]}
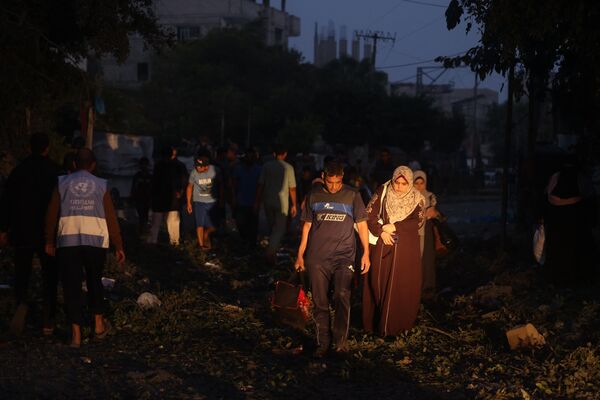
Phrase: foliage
{"type": "Point", "coordinates": [494, 128]}
{"type": "Point", "coordinates": [229, 85]}
{"type": "Point", "coordinates": [58, 148]}
{"type": "Point", "coordinates": [299, 136]}
{"type": "Point", "coordinates": [229, 76]}
{"type": "Point", "coordinates": [413, 120]}
{"type": "Point", "coordinates": [42, 44]}
{"type": "Point", "coordinates": [127, 114]}
{"type": "Point", "coordinates": [349, 99]}
{"type": "Point", "coordinates": [547, 40]}
{"type": "Point", "coordinates": [214, 336]}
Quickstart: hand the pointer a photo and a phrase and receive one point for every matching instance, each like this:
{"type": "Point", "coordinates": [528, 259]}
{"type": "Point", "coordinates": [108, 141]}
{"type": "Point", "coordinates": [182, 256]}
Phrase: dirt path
{"type": "Point", "coordinates": [214, 337]}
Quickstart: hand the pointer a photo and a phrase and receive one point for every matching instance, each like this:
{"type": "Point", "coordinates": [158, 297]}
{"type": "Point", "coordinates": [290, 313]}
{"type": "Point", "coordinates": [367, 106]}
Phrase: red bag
{"type": "Point", "coordinates": [291, 304]}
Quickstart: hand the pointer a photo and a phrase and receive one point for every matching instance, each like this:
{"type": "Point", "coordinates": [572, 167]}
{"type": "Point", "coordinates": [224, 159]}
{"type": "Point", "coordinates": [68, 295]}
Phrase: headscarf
{"type": "Point", "coordinates": [430, 199]}
{"type": "Point", "coordinates": [400, 205]}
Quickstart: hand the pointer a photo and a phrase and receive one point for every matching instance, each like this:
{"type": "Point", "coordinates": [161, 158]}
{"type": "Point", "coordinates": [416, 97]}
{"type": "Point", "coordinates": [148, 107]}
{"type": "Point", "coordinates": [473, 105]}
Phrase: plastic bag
{"type": "Point", "coordinates": [148, 300]}
{"type": "Point", "coordinates": [539, 248]}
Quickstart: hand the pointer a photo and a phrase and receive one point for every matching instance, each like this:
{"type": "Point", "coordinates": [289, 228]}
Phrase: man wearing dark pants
{"type": "Point", "coordinates": [276, 187]}
{"type": "Point", "coordinates": [82, 209]}
{"type": "Point", "coordinates": [22, 211]}
{"type": "Point", "coordinates": [244, 182]}
{"type": "Point", "coordinates": [328, 249]}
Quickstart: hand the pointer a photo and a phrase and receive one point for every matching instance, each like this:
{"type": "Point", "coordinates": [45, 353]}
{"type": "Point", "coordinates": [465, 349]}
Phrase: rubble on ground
{"type": "Point", "coordinates": [214, 336]}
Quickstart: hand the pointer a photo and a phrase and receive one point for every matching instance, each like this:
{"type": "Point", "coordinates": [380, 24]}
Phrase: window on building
{"type": "Point", "coordinates": [185, 33]}
{"type": "Point", "coordinates": [195, 32]}
{"type": "Point", "coordinates": [278, 35]}
{"type": "Point", "coordinates": [142, 72]}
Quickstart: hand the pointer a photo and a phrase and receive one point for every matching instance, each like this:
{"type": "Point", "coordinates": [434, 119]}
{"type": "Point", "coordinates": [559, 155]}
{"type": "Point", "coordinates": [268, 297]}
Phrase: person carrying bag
{"type": "Point", "coordinates": [290, 302]}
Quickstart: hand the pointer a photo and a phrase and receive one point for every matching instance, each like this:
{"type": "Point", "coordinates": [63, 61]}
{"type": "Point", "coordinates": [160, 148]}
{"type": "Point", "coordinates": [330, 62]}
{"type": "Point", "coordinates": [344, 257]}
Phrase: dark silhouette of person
{"type": "Point", "coordinates": [22, 211]}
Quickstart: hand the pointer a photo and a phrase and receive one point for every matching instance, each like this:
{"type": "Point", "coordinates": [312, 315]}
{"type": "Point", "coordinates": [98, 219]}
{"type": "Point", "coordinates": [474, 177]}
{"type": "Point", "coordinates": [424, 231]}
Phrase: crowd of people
{"type": "Point", "coordinates": [348, 222]}
{"type": "Point", "coordinates": [389, 207]}
{"type": "Point", "coordinates": [66, 216]}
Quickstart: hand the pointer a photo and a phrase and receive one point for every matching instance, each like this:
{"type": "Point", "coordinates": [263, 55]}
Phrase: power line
{"type": "Point", "coordinates": [420, 62]}
{"type": "Point", "coordinates": [375, 36]}
{"type": "Point", "coordinates": [394, 8]}
{"type": "Point", "coordinates": [384, 15]}
{"type": "Point", "coordinates": [426, 25]}
{"type": "Point", "coordinates": [409, 34]}
{"type": "Point", "coordinates": [423, 3]}
{"type": "Point", "coordinates": [407, 65]}
{"type": "Point", "coordinates": [388, 53]}
{"type": "Point", "coordinates": [405, 79]}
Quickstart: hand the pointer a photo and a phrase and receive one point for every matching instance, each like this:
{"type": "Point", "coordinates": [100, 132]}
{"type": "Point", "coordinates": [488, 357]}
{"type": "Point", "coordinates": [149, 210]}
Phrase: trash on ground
{"type": "Point", "coordinates": [489, 295]}
{"type": "Point", "coordinates": [144, 281]}
{"type": "Point", "coordinates": [108, 283]}
{"type": "Point", "coordinates": [524, 336]}
{"type": "Point", "coordinates": [236, 284]}
{"type": "Point", "coordinates": [212, 265]}
{"type": "Point", "coordinates": [148, 300]}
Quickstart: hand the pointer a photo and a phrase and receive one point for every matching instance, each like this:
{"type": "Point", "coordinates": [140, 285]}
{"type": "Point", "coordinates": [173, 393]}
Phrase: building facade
{"type": "Point", "coordinates": [192, 19]}
{"type": "Point", "coordinates": [327, 47]}
{"type": "Point", "coordinates": [472, 104]}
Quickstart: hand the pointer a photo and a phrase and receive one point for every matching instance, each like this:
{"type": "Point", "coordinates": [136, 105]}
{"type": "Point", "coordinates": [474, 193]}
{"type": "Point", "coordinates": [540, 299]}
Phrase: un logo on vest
{"type": "Point", "coordinates": [82, 187]}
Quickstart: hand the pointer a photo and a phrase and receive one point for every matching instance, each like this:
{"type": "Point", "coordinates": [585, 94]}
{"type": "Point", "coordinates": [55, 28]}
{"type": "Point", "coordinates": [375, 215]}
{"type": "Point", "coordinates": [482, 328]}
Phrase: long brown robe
{"type": "Point", "coordinates": [392, 288]}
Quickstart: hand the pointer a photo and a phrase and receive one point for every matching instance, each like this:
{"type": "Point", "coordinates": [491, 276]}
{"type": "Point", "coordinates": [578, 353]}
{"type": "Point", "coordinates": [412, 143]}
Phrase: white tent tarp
{"type": "Point", "coordinates": [118, 157]}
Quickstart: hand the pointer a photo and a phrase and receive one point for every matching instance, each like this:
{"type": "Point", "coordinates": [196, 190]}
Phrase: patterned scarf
{"type": "Point", "coordinates": [400, 205]}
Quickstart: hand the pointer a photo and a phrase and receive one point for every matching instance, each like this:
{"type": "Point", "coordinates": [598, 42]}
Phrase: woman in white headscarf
{"type": "Point", "coordinates": [392, 290]}
{"type": "Point", "coordinates": [428, 238]}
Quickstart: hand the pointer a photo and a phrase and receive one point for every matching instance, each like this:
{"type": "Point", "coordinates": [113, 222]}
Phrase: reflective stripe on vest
{"type": "Point", "coordinates": [82, 220]}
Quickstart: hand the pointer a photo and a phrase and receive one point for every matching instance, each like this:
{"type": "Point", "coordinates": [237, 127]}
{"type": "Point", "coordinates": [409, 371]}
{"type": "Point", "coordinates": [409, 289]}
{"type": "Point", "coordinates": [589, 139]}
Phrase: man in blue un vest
{"type": "Point", "coordinates": [80, 221]}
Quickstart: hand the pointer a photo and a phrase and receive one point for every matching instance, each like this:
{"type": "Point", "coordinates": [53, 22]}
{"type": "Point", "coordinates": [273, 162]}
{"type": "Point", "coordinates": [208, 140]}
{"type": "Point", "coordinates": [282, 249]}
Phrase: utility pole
{"type": "Point", "coordinates": [507, 146]}
{"type": "Point", "coordinates": [422, 72]}
{"type": "Point", "coordinates": [475, 143]}
{"type": "Point", "coordinates": [419, 86]}
{"type": "Point", "coordinates": [375, 36]}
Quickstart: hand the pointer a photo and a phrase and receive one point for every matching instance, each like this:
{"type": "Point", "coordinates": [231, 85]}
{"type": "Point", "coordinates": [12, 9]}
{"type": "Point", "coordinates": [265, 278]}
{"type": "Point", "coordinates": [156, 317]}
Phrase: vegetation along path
{"type": "Point", "coordinates": [214, 337]}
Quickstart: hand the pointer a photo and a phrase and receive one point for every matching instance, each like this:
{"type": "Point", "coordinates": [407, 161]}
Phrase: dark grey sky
{"type": "Point", "coordinates": [420, 29]}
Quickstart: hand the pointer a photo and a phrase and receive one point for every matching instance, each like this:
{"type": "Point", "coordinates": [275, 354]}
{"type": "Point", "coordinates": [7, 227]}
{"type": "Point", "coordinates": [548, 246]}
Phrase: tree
{"type": "Point", "coordinates": [42, 44]}
{"type": "Point", "coordinates": [349, 100]}
{"type": "Point", "coordinates": [229, 85]}
{"type": "Point", "coordinates": [228, 77]}
{"type": "Point", "coordinates": [300, 135]}
{"type": "Point", "coordinates": [553, 40]}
